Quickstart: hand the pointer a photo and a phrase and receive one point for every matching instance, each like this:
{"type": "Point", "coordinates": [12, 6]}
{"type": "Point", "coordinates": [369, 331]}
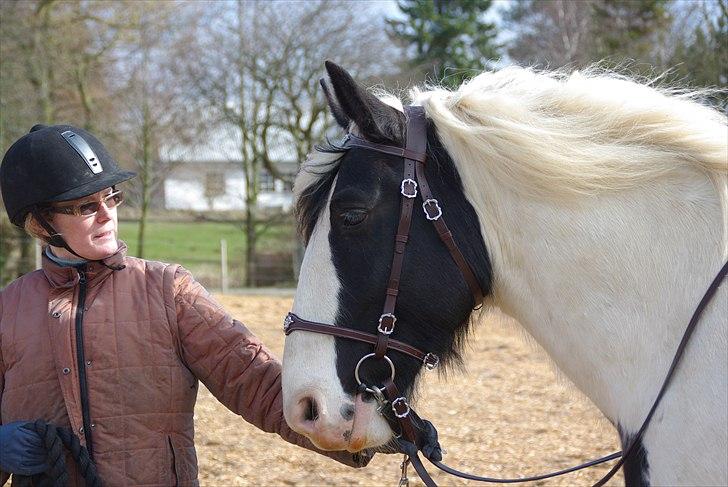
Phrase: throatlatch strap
{"type": "Point", "coordinates": [435, 216]}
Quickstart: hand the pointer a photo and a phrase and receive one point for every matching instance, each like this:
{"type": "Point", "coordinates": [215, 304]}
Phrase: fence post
{"type": "Point", "coordinates": [223, 265]}
{"type": "Point", "coordinates": [38, 255]}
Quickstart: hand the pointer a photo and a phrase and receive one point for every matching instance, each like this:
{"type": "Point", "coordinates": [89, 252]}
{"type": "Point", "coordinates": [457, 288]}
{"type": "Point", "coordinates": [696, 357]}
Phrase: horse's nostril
{"type": "Point", "coordinates": [347, 411]}
{"type": "Point", "coordinates": [311, 409]}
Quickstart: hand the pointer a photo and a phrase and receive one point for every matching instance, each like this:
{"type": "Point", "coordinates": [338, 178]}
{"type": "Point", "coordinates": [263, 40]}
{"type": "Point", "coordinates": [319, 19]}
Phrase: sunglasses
{"type": "Point", "coordinates": [88, 208]}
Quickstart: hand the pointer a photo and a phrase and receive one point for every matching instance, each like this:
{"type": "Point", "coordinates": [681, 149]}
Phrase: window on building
{"type": "Point", "coordinates": [266, 182]}
{"type": "Point", "coordinates": [214, 184]}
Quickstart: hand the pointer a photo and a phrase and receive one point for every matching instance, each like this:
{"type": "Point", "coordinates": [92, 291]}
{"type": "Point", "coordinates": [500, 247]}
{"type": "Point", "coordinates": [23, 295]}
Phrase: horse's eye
{"type": "Point", "coordinates": [353, 217]}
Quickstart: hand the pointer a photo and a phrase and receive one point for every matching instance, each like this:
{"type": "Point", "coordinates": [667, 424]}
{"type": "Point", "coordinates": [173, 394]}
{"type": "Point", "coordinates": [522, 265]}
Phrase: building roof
{"type": "Point", "coordinates": [221, 148]}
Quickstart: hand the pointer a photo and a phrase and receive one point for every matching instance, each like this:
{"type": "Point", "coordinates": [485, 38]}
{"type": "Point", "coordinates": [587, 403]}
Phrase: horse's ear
{"type": "Point", "coordinates": [375, 120]}
{"type": "Point", "coordinates": [336, 110]}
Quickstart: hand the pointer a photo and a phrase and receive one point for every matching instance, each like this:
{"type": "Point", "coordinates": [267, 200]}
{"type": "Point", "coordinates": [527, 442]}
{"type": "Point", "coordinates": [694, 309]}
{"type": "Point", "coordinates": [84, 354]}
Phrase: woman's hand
{"type": "Point", "coordinates": [22, 449]}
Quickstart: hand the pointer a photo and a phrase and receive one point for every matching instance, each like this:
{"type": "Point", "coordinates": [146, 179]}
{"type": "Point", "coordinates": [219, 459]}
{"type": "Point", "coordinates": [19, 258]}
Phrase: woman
{"type": "Point", "coordinates": [109, 345]}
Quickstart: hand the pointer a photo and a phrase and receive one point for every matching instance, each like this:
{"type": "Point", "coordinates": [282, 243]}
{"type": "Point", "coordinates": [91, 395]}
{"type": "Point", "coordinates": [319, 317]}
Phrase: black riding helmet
{"type": "Point", "coordinates": [54, 163]}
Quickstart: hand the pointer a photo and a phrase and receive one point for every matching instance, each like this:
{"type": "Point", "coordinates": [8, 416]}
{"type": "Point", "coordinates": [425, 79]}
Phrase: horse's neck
{"type": "Point", "coordinates": [607, 284]}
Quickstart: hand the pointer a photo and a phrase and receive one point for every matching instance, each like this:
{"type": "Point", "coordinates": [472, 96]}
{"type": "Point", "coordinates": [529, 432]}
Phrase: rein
{"type": "Point", "coordinates": [418, 435]}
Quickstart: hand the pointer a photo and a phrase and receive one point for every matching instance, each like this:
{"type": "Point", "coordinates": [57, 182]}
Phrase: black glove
{"type": "Point", "coordinates": [22, 449]}
{"type": "Point", "coordinates": [430, 446]}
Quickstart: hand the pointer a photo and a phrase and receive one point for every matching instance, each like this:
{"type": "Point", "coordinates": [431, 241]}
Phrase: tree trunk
{"type": "Point", "coordinates": [141, 235]}
{"type": "Point", "coordinates": [250, 245]}
{"type": "Point", "coordinates": [146, 156]}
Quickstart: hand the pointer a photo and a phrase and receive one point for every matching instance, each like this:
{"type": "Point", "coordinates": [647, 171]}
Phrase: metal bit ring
{"type": "Point", "coordinates": [369, 355]}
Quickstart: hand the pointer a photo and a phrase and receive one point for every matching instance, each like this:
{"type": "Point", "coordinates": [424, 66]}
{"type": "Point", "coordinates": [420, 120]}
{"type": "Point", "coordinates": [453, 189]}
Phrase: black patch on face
{"type": "Point", "coordinates": [434, 302]}
{"type": "Point", "coordinates": [636, 468]}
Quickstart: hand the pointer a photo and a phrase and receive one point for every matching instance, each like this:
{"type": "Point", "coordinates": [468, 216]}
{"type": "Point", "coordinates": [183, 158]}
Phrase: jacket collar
{"type": "Point", "coordinates": [66, 277]}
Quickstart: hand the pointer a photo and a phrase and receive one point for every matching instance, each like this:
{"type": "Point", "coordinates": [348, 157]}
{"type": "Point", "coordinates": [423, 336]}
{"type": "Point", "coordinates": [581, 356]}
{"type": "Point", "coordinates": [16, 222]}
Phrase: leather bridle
{"type": "Point", "coordinates": [417, 434]}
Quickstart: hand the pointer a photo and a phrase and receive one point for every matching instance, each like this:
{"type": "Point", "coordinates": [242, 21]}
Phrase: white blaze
{"type": "Point", "coordinates": [309, 359]}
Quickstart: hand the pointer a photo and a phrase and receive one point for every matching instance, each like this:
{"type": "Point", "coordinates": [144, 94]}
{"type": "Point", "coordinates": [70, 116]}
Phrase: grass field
{"type": "Point", "coordinates": [196, 245]}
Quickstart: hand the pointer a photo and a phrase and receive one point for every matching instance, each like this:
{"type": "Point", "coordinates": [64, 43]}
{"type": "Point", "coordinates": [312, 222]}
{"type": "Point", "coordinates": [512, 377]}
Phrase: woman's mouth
{"type": "Point", "coordinates": [105, 235]}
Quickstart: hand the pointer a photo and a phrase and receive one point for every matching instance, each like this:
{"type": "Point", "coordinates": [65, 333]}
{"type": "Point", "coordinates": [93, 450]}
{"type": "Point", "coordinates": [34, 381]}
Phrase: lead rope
{"type": "Point", "coordinates": [403, 480]}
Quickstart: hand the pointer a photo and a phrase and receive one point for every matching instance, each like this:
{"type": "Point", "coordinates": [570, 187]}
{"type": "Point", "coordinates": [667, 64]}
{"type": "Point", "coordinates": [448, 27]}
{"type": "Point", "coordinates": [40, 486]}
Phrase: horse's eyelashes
{"type": "Point", "coordinates": [353, 217]}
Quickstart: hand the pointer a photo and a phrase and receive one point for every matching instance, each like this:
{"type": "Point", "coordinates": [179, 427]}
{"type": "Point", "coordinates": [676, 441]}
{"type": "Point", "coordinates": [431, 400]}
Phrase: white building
{"type": "Point", "coordinates": [209, 177]}
{"type": "Point", "coordinates": [220, 186]}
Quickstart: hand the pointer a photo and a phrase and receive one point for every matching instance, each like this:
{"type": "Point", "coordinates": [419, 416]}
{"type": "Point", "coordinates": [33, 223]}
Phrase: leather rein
{"type": "Point", "coordinates": [418, 435]}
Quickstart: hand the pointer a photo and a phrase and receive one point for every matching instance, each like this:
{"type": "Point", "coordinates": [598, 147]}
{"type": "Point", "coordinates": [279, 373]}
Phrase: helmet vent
{"type": "Point", "coordinates": [84, 150]}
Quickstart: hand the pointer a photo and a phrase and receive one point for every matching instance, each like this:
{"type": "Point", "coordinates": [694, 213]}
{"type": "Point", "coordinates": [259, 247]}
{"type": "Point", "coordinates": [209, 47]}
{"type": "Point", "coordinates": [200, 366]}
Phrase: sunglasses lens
{"type": "Point", "coordinates": [111, 200]}
{"type": "Point", "coordinates": [114, 199]}
{"type": "Point", "coordinates": [88, 208]}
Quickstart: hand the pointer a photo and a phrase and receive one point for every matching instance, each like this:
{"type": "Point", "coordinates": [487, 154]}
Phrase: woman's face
{"type": "Point", "coordinates": [92, 237]}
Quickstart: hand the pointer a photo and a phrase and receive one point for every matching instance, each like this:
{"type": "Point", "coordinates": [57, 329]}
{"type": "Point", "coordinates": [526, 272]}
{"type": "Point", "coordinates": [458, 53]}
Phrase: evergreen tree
{"type": "Point", "coordinates": [630, 29]}
{"type": "Point", "coordinates": [700, 56]}
{"type": "Point", "coordinates": [561, 32]}
{"type": "Point", "coordinates": [450, 39]}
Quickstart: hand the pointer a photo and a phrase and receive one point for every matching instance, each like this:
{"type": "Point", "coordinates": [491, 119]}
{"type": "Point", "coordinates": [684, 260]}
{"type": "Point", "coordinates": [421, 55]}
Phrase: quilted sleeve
{"type": "Point", "coordinates": [233, 363]}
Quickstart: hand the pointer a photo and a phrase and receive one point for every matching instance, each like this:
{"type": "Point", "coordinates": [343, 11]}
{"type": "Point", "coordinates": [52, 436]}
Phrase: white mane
{"type": "Point", "coordinates": [557, 134]}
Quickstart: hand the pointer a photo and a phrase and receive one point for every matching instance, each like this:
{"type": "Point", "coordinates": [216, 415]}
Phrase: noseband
{"type": "Point", "coordinates": [417, 434]}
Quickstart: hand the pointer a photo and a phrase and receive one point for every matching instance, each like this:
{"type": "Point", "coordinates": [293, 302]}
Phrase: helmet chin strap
{"type": "Point", "coordinates": [57, 240]}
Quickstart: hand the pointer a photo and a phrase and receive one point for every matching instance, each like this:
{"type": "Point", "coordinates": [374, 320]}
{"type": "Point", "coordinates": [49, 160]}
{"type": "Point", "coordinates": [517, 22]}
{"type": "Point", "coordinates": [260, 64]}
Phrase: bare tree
{"type": "Point", "coordinates": [256, 71]}
{"type": "Point", "coordinates": [40, 48]}
{"type": "Point", "coordinates": [555, 32]}
{"type": "Point", "coordinates": [154, 107]}
{"type": "Point", "coordinates": [292, 60]}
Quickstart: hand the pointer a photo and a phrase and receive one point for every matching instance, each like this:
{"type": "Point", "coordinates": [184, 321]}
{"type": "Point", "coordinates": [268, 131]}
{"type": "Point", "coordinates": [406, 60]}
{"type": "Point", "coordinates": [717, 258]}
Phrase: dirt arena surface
{"type": "Point", "coordinates": [508, 415]}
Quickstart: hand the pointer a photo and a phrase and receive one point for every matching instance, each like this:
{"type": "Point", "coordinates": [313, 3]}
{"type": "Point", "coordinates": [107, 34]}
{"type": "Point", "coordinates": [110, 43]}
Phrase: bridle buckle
{"type": "Point", "coordinates": [287, 322]}
{"type": "Point", "coordinates": [431, 361]}
{"type": "Point", "coordinates": [437, 212]}
{"type": "Point", "coordinates": [400, 407]}
{"type": "Point", "coordinates": [411, 183]}
{"type": "Point", "coordinates": [386, 323]}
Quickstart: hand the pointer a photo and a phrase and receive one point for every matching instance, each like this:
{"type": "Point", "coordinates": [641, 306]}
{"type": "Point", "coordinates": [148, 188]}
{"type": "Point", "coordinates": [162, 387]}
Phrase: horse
{"type": "Point", "coordinates": [588, 206]}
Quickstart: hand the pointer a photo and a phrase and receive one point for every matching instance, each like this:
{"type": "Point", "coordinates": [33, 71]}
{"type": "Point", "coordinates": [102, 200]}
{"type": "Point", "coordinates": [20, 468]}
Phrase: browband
{"type": "Point", "coordinates": [355, 141]}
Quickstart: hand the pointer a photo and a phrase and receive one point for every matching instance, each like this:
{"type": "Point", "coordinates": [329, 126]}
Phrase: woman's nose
{"type": "Point", "coordinates": [103, 213]}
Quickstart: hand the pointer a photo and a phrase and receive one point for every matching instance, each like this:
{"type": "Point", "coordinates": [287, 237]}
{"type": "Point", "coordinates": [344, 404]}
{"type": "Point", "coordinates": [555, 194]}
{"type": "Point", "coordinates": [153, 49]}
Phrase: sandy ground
{"type": "Point", "coordinates": [507, 415]}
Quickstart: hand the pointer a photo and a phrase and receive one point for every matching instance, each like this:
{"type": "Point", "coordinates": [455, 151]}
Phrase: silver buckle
{"type": "Point", "coordinates": [404, 190]}
{"type": "Point", "coordinates": [437, 206]}
{"type": "Point", "coordinates": [431, 361]}
{"type": "Point", "coordinates": [383, 328]}
{"type": "Point", "coordinates": [394, 407]}
{"type": "Point", "coordinates": [287, 322]}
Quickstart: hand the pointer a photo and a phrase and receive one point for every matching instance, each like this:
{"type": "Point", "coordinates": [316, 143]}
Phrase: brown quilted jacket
{"type": "Point", "coordinates": [150, 332]}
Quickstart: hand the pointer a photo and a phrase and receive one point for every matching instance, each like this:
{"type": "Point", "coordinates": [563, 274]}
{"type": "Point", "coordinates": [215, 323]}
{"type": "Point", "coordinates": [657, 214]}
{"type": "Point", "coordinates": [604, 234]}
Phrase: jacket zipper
{"type": "Point", "coordinates": [81, 359]}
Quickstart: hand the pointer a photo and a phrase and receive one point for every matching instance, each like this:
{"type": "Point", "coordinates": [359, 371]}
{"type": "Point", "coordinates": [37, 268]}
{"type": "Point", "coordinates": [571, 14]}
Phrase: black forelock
{"type": "Point", "coordinates": [313, 199]}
